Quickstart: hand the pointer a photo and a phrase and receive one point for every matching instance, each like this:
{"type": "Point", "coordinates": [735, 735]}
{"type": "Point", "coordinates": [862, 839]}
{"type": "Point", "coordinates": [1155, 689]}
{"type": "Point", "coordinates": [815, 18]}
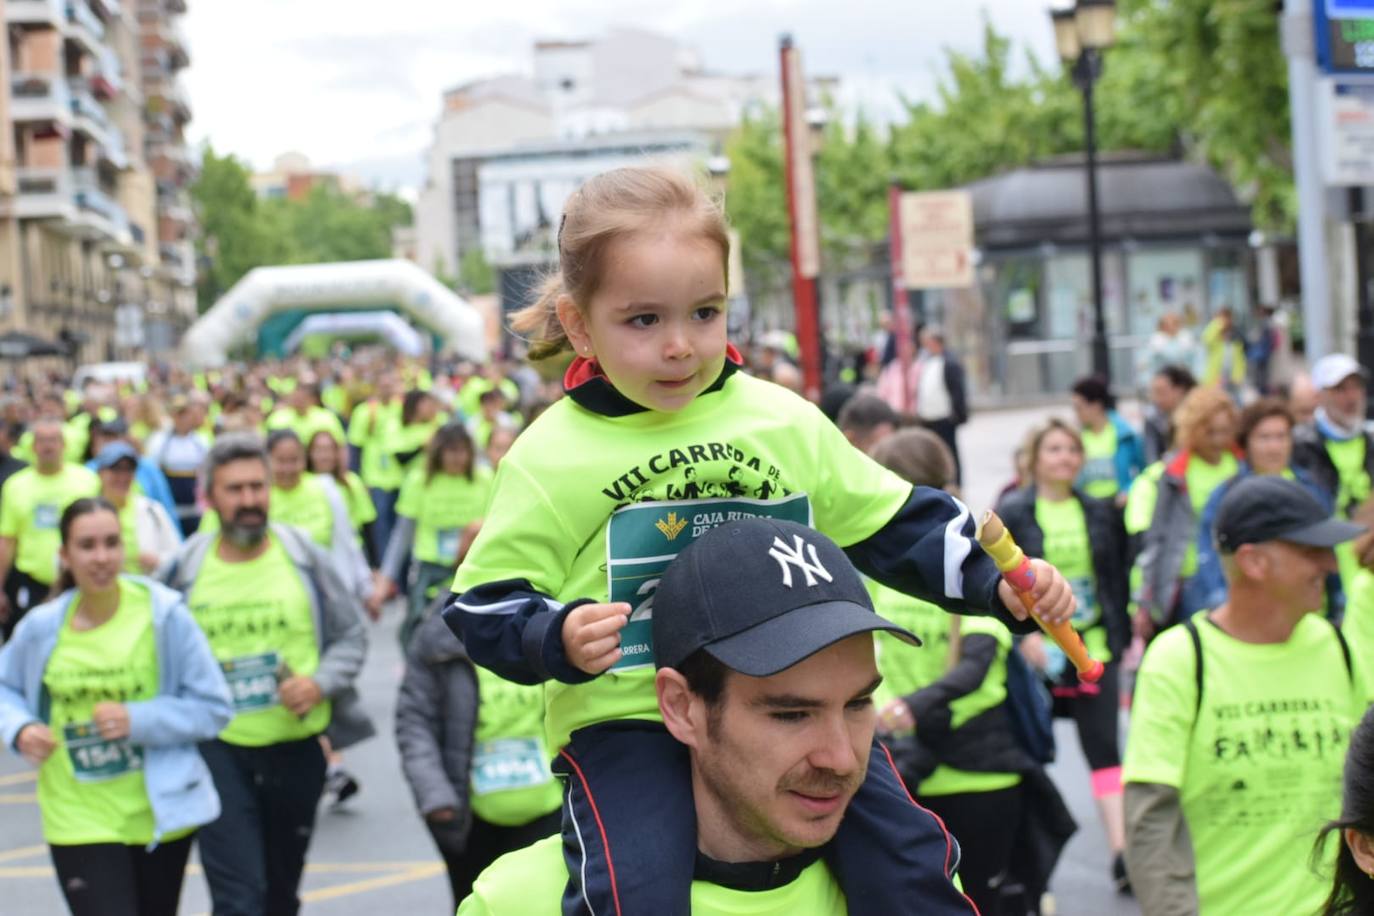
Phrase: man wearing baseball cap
{"type": "Point", "coordinates": [1334, 447]}
{"type": "Point", "coordinates": [1261, 696]}
{"type": "Point", "coordinates": [763, 639]}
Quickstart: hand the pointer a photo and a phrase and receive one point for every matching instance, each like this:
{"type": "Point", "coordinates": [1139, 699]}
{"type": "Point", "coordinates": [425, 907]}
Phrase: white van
{"type": "Point", "coordinates": [110, 373]}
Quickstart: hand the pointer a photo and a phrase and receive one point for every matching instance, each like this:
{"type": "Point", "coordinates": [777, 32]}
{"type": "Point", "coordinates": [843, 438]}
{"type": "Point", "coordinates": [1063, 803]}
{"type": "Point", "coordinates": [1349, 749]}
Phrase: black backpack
{"type": "Point", "coordinates": [1030, 709]}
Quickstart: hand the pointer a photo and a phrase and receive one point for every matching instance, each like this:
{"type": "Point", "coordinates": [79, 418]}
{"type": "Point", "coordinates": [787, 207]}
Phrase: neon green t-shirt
{"type": "Point", "coordinates": [358, 501]}
{"type": "Point", "coordinates": [91, 790]}
{"type": "Point", "coordinates": [906, 669]}
{"type": "Point", "coordinates": [31, 505]}
{"type": "Point", "coordinates": [442, 507]}
{"type": "Point", "coordinates": [367, 430]}
{"type": "Point", "coordinates": [591, 506]}
{"type": "Point", "coordinates": [1348, 457]}
{"type": "Point", "coordinates": [511, 780]}
{"type": "Point", "coordinates": [257, 618]}
{"type": "Point", "coordinates": [1068, 549]}
{"type": "Point", "coordinates": [1202, 480]}
{"type": "Point", "coordinates": [1259, 771]}
{"type": "Point", "coordinates": [530, 882]}
{"type": "Point", "coordinates": [128, 530]}
{"type": "Point", "coordinates": [314, 420]}
{"type": "Point", "coordinates": [1358, 625]}
{"type": "Point", "coordinates": [1098, 477]}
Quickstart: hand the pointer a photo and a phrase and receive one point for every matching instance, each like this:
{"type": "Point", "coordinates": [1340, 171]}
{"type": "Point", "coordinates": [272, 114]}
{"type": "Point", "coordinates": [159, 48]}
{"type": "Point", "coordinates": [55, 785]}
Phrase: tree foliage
{"type": "Point", "coordinates": [240, 232]}
{"type": "Point", "coordinates": [1199, 78]}
{"type": "Point", "coordinates": [1219, 71]}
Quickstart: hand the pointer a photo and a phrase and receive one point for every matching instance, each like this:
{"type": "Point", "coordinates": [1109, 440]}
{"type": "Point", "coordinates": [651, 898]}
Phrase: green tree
{"type": "Point", "coordinates": [329, 225]}
{"type": "Point", "coordinates": [240, 232]}
{"type": "Point", "coordinates": [233, 237]}
{"type": "Point", "coordinates": [756, 199]}
{"type": "Point", "coordinates": [1217, 68]}
{"type": "Point", "coordinates": [853, 172]}
{"type": "Point", "coordinates": [474, 273]}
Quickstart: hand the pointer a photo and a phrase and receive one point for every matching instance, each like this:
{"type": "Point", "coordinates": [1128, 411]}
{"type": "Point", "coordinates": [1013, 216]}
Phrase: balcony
{"type": "Point", "coordinates": [174, 39]}
{"type": "Point", "coordinates": [84, 27]}
{"type": "Point", "coordinates": [107, 9]}
{"type": "Point", "coordinates": [174, 207]}
{"type": "Point", "coordinates": [179, 104]}
{"type": "Point", "coordinates": [36, 12]}
{"type": "Point", "coordinates": [114, 150]}
{"type": "Point", "coordinates": [89, 116]}
{"type": "Point", "coordinates": [43, 193]}
{"type": "Point", "coordinates": [108, 79]}
{"type": "Point", "coordinates": [99, 215]}
{"type": "Point", "coordinates": [39, 97]}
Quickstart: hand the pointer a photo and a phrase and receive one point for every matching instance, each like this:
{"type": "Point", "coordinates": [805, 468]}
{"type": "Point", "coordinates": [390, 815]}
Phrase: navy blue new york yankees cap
{"type": "Point", "coordinates": [761, 595]}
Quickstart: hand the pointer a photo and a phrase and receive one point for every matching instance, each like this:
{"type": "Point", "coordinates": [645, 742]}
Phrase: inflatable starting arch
{"type": "Point", "coordinates": [265, 291]}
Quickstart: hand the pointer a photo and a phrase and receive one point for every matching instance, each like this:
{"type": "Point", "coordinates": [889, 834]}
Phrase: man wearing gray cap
{"type": "Point", "coordinates": [763, 640]}
{"type": "Point", "coordinates": [1241, 719]}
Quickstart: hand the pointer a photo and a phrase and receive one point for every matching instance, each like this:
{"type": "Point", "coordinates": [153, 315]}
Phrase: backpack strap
{"type": "Point", "coordinates": [1191, 627]}
{"type": "Point", "coordinates": [1345, 651]}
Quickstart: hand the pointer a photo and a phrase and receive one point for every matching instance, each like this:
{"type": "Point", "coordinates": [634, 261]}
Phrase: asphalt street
{"type": "Point", "coordinates": [374, 856]}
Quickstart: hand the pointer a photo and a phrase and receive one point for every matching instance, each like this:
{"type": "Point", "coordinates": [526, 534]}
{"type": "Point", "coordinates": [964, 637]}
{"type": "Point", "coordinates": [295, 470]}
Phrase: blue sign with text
{"type": "Point", "coordinates": [1344, 35]}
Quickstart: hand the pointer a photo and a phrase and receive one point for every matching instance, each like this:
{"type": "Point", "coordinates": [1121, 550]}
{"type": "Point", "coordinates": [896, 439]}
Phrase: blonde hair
{"type": "Point", "coordinates": [1196, 410]}
{"type": "Point", "coordinates": [918, 456]}
{"type": "Point", "coordinates": [608, 207]}
{"type": "Point", "coordinates": [1036, 438]}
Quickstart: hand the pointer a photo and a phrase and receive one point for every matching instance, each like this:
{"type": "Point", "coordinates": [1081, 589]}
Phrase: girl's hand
{"type": "Point", "coordinates": [896, 718]}
{"type": "Point", "coordinates": [1054, 600]}
{"type": "Point", "coordinates": [112, 719]}
{"type": "Point", "coordinates": [591, 635]}
{"type": "Point", "coordinates": [35, 742]}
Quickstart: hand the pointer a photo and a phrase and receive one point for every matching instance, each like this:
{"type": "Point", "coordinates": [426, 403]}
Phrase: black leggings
{"type": "Point", "coordinates": [111, 879]}
{"type": "Point", "coordinates": [1096, 710]}
{"type": "Point", "coordinates": [986, 825]}
{"type": "Point", "coordinates": [467, 857]}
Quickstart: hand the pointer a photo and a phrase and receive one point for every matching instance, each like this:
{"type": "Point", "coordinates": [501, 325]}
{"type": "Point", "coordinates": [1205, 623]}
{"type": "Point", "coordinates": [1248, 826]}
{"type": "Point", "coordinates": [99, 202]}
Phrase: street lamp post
{"type": "Point", "coordinates": [1082, 33]}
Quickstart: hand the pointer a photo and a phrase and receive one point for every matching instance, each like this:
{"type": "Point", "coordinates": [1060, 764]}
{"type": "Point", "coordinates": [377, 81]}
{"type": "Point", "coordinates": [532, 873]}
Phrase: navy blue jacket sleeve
{"type": "Point", "coordinates": [928, 550]}
{"type": "Point", "coordinates": [510, 628]}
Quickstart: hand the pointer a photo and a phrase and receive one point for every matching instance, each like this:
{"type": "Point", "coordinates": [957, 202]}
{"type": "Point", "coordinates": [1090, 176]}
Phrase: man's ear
{"type": "Point", "coordinates": [1252, 561]}
{"type": "Point", "coordinates": [1362, 848]}
{"type": "Point", "coordinates": [574, 325]}
{"type": "Point", "coordinates": [683, 712]}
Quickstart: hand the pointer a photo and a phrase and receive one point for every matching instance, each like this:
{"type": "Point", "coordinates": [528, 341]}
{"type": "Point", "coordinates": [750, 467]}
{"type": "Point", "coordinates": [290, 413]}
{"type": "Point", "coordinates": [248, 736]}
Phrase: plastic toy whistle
{"type": "Point", "coordinates": [1017, 572]}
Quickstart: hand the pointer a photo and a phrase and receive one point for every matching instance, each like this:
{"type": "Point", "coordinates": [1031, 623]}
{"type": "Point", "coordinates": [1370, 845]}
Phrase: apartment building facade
{"type": "Point", "coordinates": [96, 226]}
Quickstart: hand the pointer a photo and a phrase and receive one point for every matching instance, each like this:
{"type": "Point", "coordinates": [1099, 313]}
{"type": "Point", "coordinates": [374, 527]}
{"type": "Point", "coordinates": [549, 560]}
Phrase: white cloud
{"type": "Point", "coordinates": [356, 84]}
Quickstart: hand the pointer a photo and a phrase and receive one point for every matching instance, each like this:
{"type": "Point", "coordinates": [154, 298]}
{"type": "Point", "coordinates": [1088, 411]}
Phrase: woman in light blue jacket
{"type": "Point", "coordinates": [106, 689]}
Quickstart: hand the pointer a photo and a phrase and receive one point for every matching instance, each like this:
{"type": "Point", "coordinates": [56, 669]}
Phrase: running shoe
{"type": "Point", "coordinates": [339, 787]}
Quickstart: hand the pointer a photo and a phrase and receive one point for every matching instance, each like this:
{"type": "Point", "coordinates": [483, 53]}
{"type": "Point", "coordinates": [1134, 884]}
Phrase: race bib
{"type": "Point", "coordinates": [94, 759]}
{"type": "Point", "coordinates": [1098, 469]}
{"type": "Point", "coordinates": [252, 681]}
{"type": "Point", "coordinates": [509, 763]}
{"type": "Point", "coordinates": [46, 517]}
{"type": "Point", "coordinates": [1087, 613]}
{"type": "Point", "coordinates": [643, 539]}
{"type": "Point", "coordinates": [447, 539]}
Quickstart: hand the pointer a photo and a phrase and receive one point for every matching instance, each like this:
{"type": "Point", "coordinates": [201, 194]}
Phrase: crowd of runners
{"type": "Point", "coordinates": [677, 640]}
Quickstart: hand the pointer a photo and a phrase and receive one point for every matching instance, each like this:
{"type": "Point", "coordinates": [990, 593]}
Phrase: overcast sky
{"type": "Point", "coordinates": [355, 84]}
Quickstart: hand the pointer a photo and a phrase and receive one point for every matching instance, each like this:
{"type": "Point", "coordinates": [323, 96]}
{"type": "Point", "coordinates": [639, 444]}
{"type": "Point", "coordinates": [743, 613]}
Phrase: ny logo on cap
{"type": "Point", "coordinates": [788, 557]}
